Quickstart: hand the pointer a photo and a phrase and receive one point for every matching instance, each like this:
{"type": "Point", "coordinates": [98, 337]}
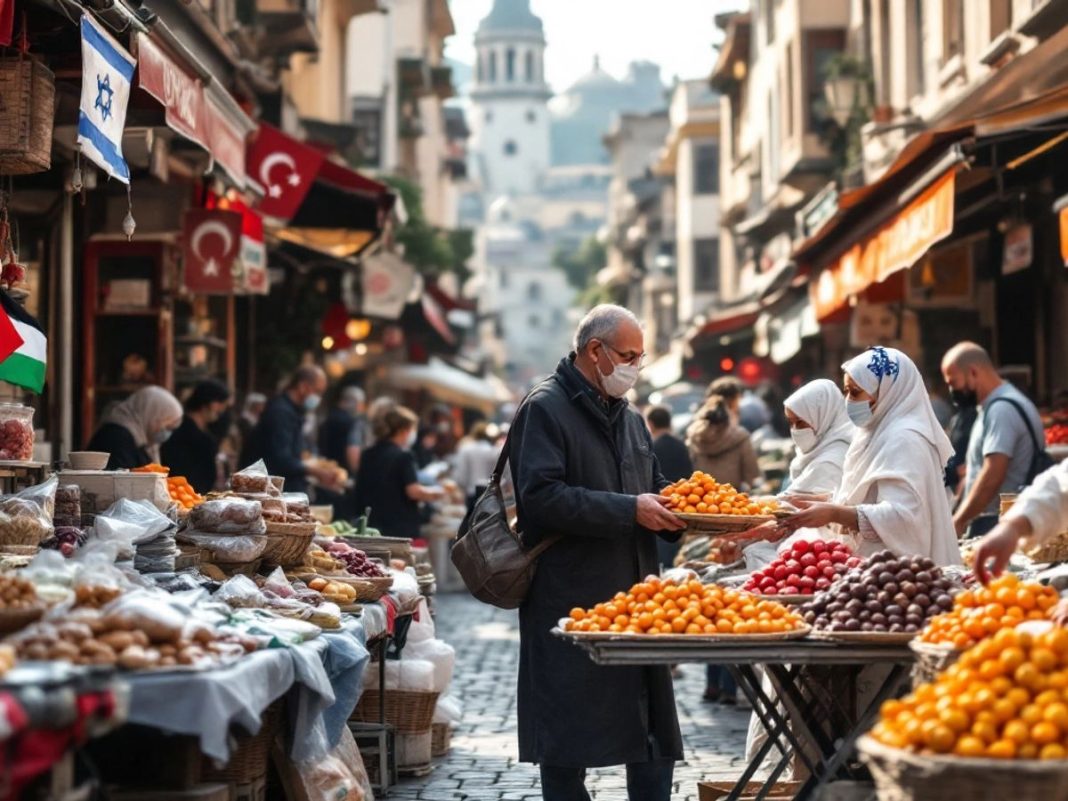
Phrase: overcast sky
{"type": "Point", "coordinates": [676, 34]}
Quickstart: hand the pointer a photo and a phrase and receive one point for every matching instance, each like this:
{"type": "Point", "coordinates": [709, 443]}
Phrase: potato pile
{"type": "Point", "coordinates": [16, 593]}
{"type": "Point", "coordinates": [337, 592]}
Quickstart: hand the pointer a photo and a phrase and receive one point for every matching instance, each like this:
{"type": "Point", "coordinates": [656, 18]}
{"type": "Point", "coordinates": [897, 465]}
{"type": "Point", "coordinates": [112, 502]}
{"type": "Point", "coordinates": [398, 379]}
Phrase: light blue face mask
{"type": "Point", "coordinates": [859, 412]}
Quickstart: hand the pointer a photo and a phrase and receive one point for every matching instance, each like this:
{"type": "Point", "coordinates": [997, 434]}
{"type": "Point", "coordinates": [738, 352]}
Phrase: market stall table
{"type": "Point", "coordinates": [800, 734]}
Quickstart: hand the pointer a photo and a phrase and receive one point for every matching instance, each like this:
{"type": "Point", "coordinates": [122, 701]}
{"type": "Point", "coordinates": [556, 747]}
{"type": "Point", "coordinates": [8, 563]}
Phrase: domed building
{"type": "Point", "coordinates": [583, 114]}
{"type": "Point", "coordinates": [510, 120]}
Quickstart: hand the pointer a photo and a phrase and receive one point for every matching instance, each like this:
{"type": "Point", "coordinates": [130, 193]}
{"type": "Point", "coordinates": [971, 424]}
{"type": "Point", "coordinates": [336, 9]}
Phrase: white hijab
{"type": "Point", "coordinates": [148, 409]}
{"type": "Point", "coordinates": [885, 450]}
{"type": "Point", "coordinates": [819, 403]}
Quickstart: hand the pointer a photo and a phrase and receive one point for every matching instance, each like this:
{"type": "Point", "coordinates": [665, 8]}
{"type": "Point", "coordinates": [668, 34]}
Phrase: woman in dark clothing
{"type": "Point", "coordinates": [133, 430]}
{"type": "Point", "coordinates": [193, 451]}
{"type": "Point", "coordinates": [387, 480]}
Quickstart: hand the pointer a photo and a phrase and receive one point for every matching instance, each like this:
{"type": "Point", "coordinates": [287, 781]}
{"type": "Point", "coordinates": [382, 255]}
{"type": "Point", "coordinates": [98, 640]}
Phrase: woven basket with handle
{"type": "Point", "coordinates": [904, 776]}
{"type": "Point", "coordinates": [287, 543]}
{"type": "Point", "coordinates": [27, 109]}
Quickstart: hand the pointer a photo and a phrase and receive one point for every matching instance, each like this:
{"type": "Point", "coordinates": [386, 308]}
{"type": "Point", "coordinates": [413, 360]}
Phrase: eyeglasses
{"type": "Point", "coordinates": [629, 357]}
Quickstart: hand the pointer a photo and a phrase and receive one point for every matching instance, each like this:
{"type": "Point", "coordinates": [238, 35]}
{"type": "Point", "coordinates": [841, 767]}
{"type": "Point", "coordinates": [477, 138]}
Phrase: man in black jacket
{"type": "Point", "coordinates": [675, 463]}
{"type": "Point", "coordinates": [584, 468]}
{"type": "Point", "coordinates": [278, 437]}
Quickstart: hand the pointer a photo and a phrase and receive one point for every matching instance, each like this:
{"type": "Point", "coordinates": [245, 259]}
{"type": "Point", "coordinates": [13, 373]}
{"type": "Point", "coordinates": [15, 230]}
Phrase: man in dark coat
{"type": "Point", "coordinates": [584, 469]}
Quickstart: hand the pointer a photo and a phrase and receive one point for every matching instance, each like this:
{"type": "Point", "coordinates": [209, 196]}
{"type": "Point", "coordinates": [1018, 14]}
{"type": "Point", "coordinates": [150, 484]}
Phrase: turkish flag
{"type": "Point", "coordinates": [285, 167]}
{"type": "Point", "coordinates": [211, 243]}
{"type": "Point", "coordinates": [7, 23]}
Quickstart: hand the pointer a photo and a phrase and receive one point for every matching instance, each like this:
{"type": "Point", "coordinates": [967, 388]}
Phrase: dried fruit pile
{"type": "Point", "coordinates": [182, 492]}
{"type": "Point", "coordinates": [805, 568]}
{"type": "Point", "coordinates": [1006, 698]}
{"type": "Point", "coordinates": [668, 607]}
{"type": "Point", "coordinates": [702, 494]}
{"type": "Point", "coordinates": [979, 613]}
{"type": "Point", "coordinates": [889, 594]}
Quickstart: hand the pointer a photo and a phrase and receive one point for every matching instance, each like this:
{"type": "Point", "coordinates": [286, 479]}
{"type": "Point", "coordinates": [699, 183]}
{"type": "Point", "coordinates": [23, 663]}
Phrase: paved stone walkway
{"type": "Point", "coordinates": [482, 764]}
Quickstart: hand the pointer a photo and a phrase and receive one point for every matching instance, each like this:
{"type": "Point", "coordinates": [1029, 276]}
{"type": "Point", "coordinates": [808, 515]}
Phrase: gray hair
{"type": "Point", "coordinates": [601, 322]}
{"type": "Point", "coordinates": [352, 398]}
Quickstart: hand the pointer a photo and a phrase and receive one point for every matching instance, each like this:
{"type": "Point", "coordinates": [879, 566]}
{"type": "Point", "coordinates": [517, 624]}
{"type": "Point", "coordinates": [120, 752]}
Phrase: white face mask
{"type": "Point", "coordinates": [621, 381]}
{"type": "Point", "coordinates": [859, 412]}
{"type": "Point", "coordinates": [411, 439]}
{"type": "Point", "coordinates": [804, 439]}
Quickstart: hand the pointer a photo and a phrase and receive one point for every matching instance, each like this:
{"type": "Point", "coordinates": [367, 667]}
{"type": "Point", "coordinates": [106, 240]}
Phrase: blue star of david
{"type": "Point", "coordinates": [103, 87]}
{"type": "Point", "coordinates": [881, 365]}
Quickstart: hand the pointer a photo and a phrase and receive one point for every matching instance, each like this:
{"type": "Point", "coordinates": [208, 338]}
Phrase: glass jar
{"type": "Point", "coordinates": [16, 432]}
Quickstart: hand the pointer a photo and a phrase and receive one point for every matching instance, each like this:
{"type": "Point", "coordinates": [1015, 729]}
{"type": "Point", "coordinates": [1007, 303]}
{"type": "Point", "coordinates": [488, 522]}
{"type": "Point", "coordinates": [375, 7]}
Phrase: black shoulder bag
{"type": "Point", "coordinates": [1041, 461]}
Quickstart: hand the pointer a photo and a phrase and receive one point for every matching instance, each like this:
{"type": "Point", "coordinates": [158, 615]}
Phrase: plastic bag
{"type": "Point", "coordinates": [227, 516]}
{"type": "Point", "coordinates": [421, 629]}
{"type": "Point", "coordinates": [339, 776]}
{"type": "Point", "coordinates": [241, 591]}
{"type": "Point", "coordinates": [226, 547]}
{"type": "Point", "coordinates": [448, 710]}
{"type": "Point", "coordinates": [149, 612]}
{"type": "Point", "coordinates": [253, 478]}
{"type": "Point", "coordinates": [26, 516]}
{"type": "Point", "coordinates": [142, 514]}
{"type": "Point", "coordinates": [405, 586]}
{"type": "Point", "coordinates": [438, 653]}
{"type": "Point", "coordinates": [414, 675]}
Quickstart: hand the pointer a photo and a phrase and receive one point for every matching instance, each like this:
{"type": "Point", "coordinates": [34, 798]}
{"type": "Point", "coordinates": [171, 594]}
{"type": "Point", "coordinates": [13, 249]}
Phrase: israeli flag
{"type": "Point", "coordinates": [107, 70]}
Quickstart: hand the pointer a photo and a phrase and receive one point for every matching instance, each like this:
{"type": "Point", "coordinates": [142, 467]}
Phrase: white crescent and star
{"type": "Point", "coordinates": [205, 229]}
{"type": "Point", "coordinates": [268, 164]}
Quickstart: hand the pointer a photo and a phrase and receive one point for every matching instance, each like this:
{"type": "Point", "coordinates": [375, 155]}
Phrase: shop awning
{"type": "Point", "coordinates": [665, 370]}
{"type": "Point", "coordinates": [450, 384]}
{"type": "Point", "coordinates": [724, 321]}
{"type": "Point", "coordinates": [312, 201]}
{"type": "Point", "coordinates": [205, 114]}
{"type": "Point", "coordinates": [779, 335]}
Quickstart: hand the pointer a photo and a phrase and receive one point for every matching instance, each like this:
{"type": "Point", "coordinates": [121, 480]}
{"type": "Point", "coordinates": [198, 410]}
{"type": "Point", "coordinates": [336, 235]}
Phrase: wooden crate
{"type": "Point", "coordinates": [713, 791]}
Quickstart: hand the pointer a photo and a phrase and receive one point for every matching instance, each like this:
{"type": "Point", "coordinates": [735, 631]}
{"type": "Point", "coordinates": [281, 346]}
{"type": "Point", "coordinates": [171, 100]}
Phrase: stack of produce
{"type": "Point", "coordinates": [68, 510]}
{"type": "Point", "coordinates": [984, 611]}
{"type": "Point", "coordinates": [182, 493]}
{"type": "Point", "coordinates": [1006, 698]}
{"type": "Point", "coordinates": [702, 494]}
{"type": "Point", "coordinates": [668, 607]}
{"type": "Point", "coordinates": [806, 567]}
{"type": "Point", "coordinates": [356, 561]}
{"type": "Point", "coordinates": [889, 595]}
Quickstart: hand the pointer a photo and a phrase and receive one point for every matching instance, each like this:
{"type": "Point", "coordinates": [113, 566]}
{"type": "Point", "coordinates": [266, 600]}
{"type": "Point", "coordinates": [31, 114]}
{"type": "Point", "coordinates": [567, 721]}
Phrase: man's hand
{"type": "Point", "coordinates": [1060, 613]}
{"type": "Point", "coordinates": [653, 514]}
{"type": "Point", "coordinates": [960, 525]}
{"type": "Point", "coordinates": [999, 545]}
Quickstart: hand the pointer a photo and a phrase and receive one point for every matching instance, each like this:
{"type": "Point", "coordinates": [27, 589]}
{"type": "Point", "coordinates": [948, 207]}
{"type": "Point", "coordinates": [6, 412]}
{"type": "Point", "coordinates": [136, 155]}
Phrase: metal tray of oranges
{"type": "Point", "coordinates": [560, 631]}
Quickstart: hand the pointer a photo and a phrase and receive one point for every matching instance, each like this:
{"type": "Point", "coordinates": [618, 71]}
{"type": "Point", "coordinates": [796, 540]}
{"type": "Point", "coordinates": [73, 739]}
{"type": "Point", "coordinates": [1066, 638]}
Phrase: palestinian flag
{"type": "Point", "coordinates": [25, 366]}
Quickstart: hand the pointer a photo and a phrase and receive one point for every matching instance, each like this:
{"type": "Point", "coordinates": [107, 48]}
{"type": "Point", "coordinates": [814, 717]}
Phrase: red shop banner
{"type": "Point", "coordinates": [211, 244]}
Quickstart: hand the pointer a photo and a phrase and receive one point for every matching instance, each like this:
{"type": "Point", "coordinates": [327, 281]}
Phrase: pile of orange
{"type": "Point", "coordinates": [979, 613]}
{"type": "Point", "coordinates": [656, 606]}
{"type": "Point", "coordinates": [702, 494]}
{"type": "Point", "coordinates": [1006, 698]}
{"type": "Point", "coordinates": [151, 468]}
{"type": "Point", "coordinates": [182, 492]}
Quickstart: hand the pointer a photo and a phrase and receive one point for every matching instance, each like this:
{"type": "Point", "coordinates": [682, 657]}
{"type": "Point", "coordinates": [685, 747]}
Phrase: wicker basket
{"type": "Point", "coordinates": [248, 762]}
{"type": "Point", "coordinates": [930, 661]}
{"type": "Point", "coordinates": [12, 620]}
{"type": "Point", "coordinates": [234, 568]}
{"type": "Point", "coordinates": [371, 589]}
{"type": "Point", "coordinates": [28, 88]}
{"type": "Point", "coordinates": [407, 711]}
{"type": "Point", "coordinates": [440, 739]}
{"type": "Point", "coordinates": [287, 543]}
{"type": "Point", "coordinates": [903, 776]}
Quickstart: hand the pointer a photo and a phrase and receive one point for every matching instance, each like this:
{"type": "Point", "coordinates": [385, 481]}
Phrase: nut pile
{"type": "Point", "coordinates": [16, 593]}
{"type": "Point", "coordinates": [889, 594]}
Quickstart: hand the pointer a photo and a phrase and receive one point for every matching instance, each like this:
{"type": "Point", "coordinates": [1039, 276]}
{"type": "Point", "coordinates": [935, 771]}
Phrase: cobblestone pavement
{"type": "Point", "coordinates": [482, 765]}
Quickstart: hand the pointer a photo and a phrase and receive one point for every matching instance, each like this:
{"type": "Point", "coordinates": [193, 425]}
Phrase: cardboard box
{"type": "Point", "coordinates": [713, 791]}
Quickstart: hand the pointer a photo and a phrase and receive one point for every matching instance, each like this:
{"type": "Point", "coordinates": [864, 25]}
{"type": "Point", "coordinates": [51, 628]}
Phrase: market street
{"type": "Point", "coordinates": [482, 766]}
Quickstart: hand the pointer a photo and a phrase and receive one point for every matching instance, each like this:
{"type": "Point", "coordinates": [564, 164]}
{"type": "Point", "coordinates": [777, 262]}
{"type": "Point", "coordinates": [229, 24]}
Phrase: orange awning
{"type": "Point", "coordinates": [896, 245]}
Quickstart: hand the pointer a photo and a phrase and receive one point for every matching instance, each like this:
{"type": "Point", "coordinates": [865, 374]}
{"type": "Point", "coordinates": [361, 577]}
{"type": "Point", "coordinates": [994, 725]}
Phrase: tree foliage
{"type": "Point", "coordinates": [581, 264]}
{"type": "Point", "coordinates": [429, 249]}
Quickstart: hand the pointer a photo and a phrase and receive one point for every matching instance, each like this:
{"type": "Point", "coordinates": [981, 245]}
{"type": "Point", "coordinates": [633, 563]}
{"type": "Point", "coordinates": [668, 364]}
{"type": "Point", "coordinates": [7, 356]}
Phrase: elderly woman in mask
{"type": "Point", "coordinates": [891, 495]}
{"type": "Point", "coordinates": [822, 432]}
{"type": "Point", "coordinates": [133, 430]}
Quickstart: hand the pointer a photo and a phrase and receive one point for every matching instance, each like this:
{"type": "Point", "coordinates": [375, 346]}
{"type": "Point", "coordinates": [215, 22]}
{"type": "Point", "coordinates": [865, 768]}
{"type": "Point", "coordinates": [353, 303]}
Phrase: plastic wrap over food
{"type": "Point", "coordinates": [227, 516]}
{"type": "Point", "coordinates": [227, 547]}
{"type": "Point", "coordinates": [253, 478]}
{"type": "Point", "coordinates": [438, 653]}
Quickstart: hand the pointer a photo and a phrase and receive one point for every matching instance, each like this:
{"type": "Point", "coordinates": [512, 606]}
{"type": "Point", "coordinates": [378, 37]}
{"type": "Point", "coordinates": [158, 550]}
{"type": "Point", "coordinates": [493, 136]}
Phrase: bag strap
{"type": "Point", "coordinates": [1027, 423]}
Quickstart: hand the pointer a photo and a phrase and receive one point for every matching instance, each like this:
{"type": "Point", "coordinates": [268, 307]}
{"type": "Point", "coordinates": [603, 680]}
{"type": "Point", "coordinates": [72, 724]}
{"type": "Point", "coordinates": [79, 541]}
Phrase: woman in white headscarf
{"type": "Point", "coordinates": [892, 493]}
{"type": "Point", "coordinates": [820, 428]}
{"type": "Point", "coordinates": [133, 430]}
